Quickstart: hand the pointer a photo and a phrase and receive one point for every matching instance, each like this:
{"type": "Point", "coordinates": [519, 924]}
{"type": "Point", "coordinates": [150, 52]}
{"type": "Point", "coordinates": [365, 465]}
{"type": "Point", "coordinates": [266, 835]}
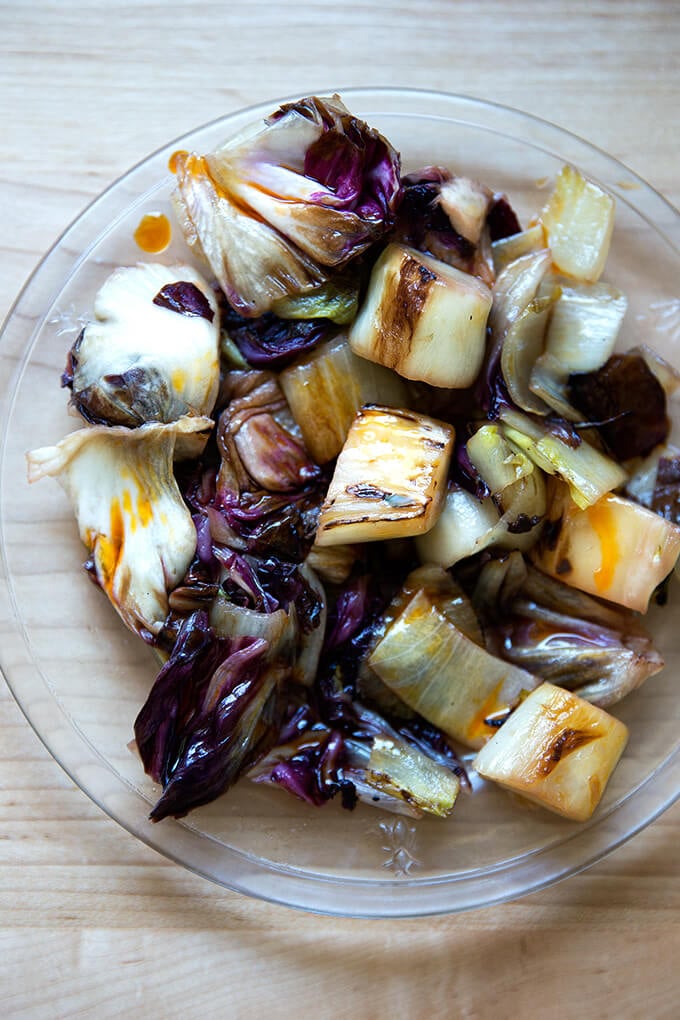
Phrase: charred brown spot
{"type": "Point", "coordinates": [367, 492]}
{"type": "Point", "coordinates": [523, 523]}
{"type": "Point", "coordinates": [563, 567]}
{"type": "Point", "coordinates": [402, 309]}
{"type": "Point", "coordinates": [551, 533]}
{"type": "Point", "coordinates": [564, 743]}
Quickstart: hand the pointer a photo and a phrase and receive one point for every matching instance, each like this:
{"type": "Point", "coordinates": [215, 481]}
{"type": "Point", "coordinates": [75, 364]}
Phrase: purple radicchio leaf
{"type": "Point", "coordinates": [271, 342]}
{"type": "Point", "coordinates": [423, 224]}
{"type": "Point", "coordinates": [308, 762]}
{"type": "Point", "coordinates": [214, 708]}
{"type": "Point", "coordinates": [501, 219]}
{"type": "Point", "coordinates": [666, 495]}
{"type": "Point", "coordinates": [185, 298]}
{"type": "Point", "coordinates": [308, 188]}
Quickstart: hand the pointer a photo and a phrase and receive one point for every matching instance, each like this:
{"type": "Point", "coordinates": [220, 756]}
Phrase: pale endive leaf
{"type": "Point", "coordinates": [130, 513]}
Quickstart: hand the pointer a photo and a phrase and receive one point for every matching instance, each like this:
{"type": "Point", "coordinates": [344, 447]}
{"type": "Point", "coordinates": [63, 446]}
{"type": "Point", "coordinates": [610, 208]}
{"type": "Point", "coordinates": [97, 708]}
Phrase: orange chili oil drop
{"type": "Point", "coordinates": [602, 521]}
{"type": "Point", "coordinates": [154, 232]}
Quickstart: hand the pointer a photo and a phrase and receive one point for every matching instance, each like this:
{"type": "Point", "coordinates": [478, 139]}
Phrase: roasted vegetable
{"type": "Point", "coordinates": [327, 387]}
{"type": "Point", "coordinates": [560, 450]}
{"type": "Point", "coordinates": [584, 323]}
{"type": "Point", "coordinates": [444, 676]}
{"type": "Point", "coordinates": [130, 513]}
{"type": "Point", "coordinates": [213, 709]}
{"type": "Point", "coordinates": [389, 479]}
{"type": "Point", "coordinates": [556, 750]}
{"type": "Point", "coordinates": [151, 353]}
{"type": "Point", "coordinates": [578, 220]}
{"type": "Point", "coordinates": [614, 548]}
{"type": "Point", "coordinates": [423, 318]}
{"type": "Point", "coordinates": [404, 774]}
{"type": "Point", "coordinates": [270, 211]}
{"type": "Point", "coordinates": [628, 400]}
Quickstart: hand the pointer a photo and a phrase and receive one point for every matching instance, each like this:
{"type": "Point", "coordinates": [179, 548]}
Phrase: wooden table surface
{"type": "Point", "coordinates": [91, 921]}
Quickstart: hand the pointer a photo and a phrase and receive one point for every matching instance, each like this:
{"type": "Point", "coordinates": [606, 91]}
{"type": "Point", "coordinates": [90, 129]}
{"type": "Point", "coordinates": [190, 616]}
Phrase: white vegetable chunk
{"type": "Point", "coordinates": [466, 525]}
{"type": "Point", "coordinates": [578, 220]}
{"type": "Point", "coordinates": [423, 318]}
{"type": "Point", "coordinates": [428, 662]}
{"type": "Point", "coordinates": [129, 510]}
{"type": "Point", "coordinates": [151, 353]}
{"type": "Point", "coordinates": [557, 750]}
{"type": "Point", "coordinates": [390, 478]}
{"type": "Point", "coordinates": [615, 548]}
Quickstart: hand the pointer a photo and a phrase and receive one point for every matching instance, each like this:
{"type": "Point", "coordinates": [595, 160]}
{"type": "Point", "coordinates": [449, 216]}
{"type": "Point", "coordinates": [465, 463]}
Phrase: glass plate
{"type": "Point", "coordinates": [80, 677]}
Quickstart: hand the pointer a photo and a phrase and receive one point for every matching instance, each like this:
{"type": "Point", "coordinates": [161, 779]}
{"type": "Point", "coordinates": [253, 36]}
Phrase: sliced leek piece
{"type": "Point", "coordinates": [389, 480]}
{"type": "Point", "coordinates": [578, 220]}
{"type": "Point", "coordinates": [400, 770]}
{"type": "Point", "coordinates": [326, 387]}
{"type": "Point", "coordinates": [584, 325]}
{"type": "Point", "coordinates": [440, 673]}
{"type": "Point", "coordinates": [332, 563]}
{"type": "Point", "coordinates": [507, 249]}
{"type": "Point", "coordinates": [464, 527]}
{"type": "Point", "coordinates": [423, 318]}
{"type": "Point", "coordinates": [498, 462]}
{"type": "Point", "coordinates": [516, 485]}
{"type": "Point", "coordinates": [445, 594]}
{"type": "Point", "coordinates": [616, 549]}
{"type": "Point", "coordinates": [556, 750]}
{"type": "Point", "coordinates": [589, 473]}
{"type": "Point", "coordinates": [515, 289]}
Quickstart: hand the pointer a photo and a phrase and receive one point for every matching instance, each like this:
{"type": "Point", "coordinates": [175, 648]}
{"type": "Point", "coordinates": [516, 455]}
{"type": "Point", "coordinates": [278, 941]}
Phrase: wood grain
{"type": "Point", "coordinates": [91, 921]}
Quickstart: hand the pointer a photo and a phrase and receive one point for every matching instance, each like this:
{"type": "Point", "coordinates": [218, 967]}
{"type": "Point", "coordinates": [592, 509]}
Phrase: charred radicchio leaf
{"type": "Point", "coordinates": [273, 342]}
{"type": "Point", "coordinates": [501, 219]}
{"type": "Point", "coordinates": [185, 298]}
{"type": "Point", "coordinates": [309, 188]}
{"type": "Point", "coordinates": [625, 395]}
{"type": "Point", "coordinates": [256, 439]}
{"type": "Point", "coordinates": [214, 708]}
{"type": "Point", "coordinates": [423, 224]}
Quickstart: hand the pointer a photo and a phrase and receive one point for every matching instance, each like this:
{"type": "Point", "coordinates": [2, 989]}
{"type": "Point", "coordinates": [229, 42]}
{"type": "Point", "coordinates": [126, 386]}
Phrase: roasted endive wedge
{"type": "Point", "coordinates": [129, 510]}
{"type": "Point", "coordinates": [615, 548]}
{"type": "Point", "coordinates": [556, 750]}
{"type": "Point", "coordinates": [326, 387]}
{"type": "Point", "coordinates": [423, 318]}
{"type": "Point", "coordinates": [443, 675]}
{"type": "Point", "coordinates": [389, 480]}
{"type": "Point", "coordinates": [578, 220]}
